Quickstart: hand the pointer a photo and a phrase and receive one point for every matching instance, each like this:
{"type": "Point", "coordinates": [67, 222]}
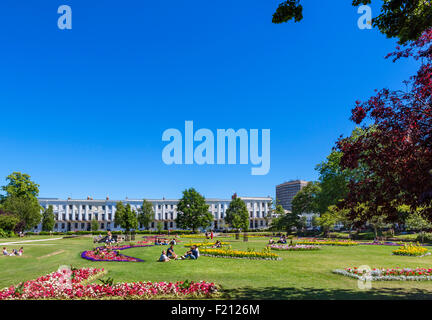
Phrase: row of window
{"type": "Point", "coordinates": [110, 207]}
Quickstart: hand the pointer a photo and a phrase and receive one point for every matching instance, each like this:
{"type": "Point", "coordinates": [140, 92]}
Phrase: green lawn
{"type": "Point", "coordinates": [299, 275]}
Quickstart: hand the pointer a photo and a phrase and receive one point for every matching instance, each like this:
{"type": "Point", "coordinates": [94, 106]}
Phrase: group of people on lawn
{"type": "Point", "coordinates": [14, 252]}
{"type": "Point", "coordinates": [282, 240]}
{"type": "Point", "coordinates": [169, 254]}
{"type": "Point", "coordinates": [164, 242]}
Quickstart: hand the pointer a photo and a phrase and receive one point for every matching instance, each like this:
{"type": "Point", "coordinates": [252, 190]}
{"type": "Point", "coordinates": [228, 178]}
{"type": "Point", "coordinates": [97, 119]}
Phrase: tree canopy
{"type": "Point", "coordinates": [48, 219]}
{"type": "Point", "coordinates": [192, 211]}
{"type": "Point", "coordinates": [396, 156]}
{"type": "Point", "coordinates": [146, 214]}
{"type": "Point", "coordinates": [237, 215]}
{"type": "Point", "coordinates": [402, 19]}
{"type": "Point", "coordinates": [125, 217]}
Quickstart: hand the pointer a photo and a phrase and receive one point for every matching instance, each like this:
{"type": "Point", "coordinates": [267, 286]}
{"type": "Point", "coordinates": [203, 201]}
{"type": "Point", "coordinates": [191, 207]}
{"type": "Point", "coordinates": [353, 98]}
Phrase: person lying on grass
{"type": "Point", "coordinates": [163, 257]}
{"type": "Point", "coordinates": [170, 253]}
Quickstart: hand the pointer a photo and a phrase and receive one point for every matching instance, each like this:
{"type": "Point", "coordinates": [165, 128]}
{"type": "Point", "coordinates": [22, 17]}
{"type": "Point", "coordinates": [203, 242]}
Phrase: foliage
{"type": "Point", "coordinates": [411, 250]}
{"type": "Point", "coordinates": [305, 201]}
{"type": "Point", "coordinates": [146, 214]}
{"type": "Point", "coordinates": [48, 219]}
{"type": "Point", "coordinates": [193, 211]}
{"type": "Point", "coordinates": [286, 221]}
{"type": "Point", "coordinates": [403, 19]}
{"type": "Point", "coordinates": [8, 221]}
{"type": "Point", "coordinates": [27, 209]}
{"type": "Point", "coordinates": [230, 253]}
{"type": "Point", "coordinates": [237, 215]}
{"type": "Point", "coordinates": [125, 217]}
{"type": "Point", "coordinates": [20, 186]}
{"type": "Point", "coordinates": [397, 153]}
{"type": "Point", "coordinates": [94, 225]}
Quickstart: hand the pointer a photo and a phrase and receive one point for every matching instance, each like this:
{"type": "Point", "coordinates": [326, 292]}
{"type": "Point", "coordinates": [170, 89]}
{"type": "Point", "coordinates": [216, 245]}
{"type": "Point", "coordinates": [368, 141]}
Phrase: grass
{"type": "Point", "coordinates": [299, 275]}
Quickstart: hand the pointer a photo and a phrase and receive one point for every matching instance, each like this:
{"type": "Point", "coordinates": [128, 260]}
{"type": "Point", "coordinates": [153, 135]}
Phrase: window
{"type": "Point", "coordinates": [83, 207]}
{"type": "Point", "coordinates": [110, 217]}
{"type": "Point", "coordinates": [56, 225]}
{"type": "Point", "coordinates": [152, 224]}
{"type": "Point", "coordinates": [63, 226]}
{"type": "Point", "coordinates": [64, 216]}
{"type": "Point", "coordinates": [103, 208]}
{"type": "Point", "coordinates": [76, 225]}
{"type": "Point", "coordinates": [70, 206]}
{"type": "Point", "coordinates": [102, 226]}
{"type": "Point", "coordinates": [103, 216]}
{"type": "Point", "coordinates": [171, 224]}
{"type": "Point", "coordinates": [82, 225]}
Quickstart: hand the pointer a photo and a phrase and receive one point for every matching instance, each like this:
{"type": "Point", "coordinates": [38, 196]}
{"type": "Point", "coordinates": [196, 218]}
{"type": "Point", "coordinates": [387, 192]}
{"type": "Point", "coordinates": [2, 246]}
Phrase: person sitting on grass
{"type": "Point", "coordinates": [13, 253]}
{"type": "Point", "coordinates": [5, 253]}
{"type": "Point", "coordinates": [271, 241]}
{"type": "Point", "coordinates": [217, 244]}
{"type": "Point", "coordinates": [164, 257]}
{"type": "Point", "coordinates": [157, 242]}
{"type": "Point", "coordinates": [170, 253]}
{"type": "Point", "coordinates": [21, 251]}
{"type": "Point", "coordinates": [192, 254]}
{"type": "Point", "coordinates": [173, 242]}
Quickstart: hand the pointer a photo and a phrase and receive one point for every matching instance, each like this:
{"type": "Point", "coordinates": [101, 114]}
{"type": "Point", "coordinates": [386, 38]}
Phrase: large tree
{"type": "Point", "coordinates": [286, 220]}
{"type": "Point", "coordinates": [48, 219]}
{"type": "Point", "coordinates": [306, 200]}
{"type": "Point", "coordinates": [8, 221]}
{"type": "Point", "coordinates": [146, 214]}
{"type": "Point", "coordinates": [402, 19]}
{"type": "Point", "coordinates": [20, 186]}
{"type": "Point", "coordinates": [125, 217]}
{"type": "Point", "coordinates": [193, 212]}
{"type": "Point", "coordinates": [397, 153]}
{"type": "Point", "coordinates": [237, 214]}
{"type": "Point", "coordinates": [27, 210]}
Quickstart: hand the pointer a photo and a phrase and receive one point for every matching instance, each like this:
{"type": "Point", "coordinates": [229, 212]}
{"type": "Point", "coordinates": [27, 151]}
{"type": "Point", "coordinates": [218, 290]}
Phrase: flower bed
{"type": "Point", "coordinates": [52, 286]}
{"type": "Point", "coordinates": [298, 247]}
{"type": "Point", "coordinates": [411, 250]}
{"type": "Point", "coordinates": [204, 244]}
{"type": "Point", "coordinates": [238, 254]}
{"type": "Point", "coordinates": [393, 274]}
{"type": "Point", "coordinates": [328, 242]}
{"type": "Point", "coordinates": [111, 254]}
{"type": "Point", "coordinates": [382, 243]}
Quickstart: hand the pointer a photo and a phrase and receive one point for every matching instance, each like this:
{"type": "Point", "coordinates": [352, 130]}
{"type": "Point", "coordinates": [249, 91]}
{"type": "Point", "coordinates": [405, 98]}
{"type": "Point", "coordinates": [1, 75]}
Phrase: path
{"type": "Point", "coordinates": [28, 241]}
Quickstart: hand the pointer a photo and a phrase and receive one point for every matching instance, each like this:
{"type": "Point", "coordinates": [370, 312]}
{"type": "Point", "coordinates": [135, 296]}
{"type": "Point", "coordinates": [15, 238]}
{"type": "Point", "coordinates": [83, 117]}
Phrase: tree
{"type": "Point", "coordinates": [8, 221]}
{"type": "Point", "coordinates": [237, 214]}
{"type": "Point", "coordinates": [159, 227]}
{"type": "Point", "coordinates": [48, 219]}
{"type": "Point", "coordinates": [26, 209]}
{"type": "Point", "coordinates": [403, 19]}
{"type": "Point", "coordinates": [306, 200]}
{"type": "Point", "coordinates": [125, 217]}
{"type": "Point", "coordinates": [193, 211]}
{"type": "Point", "coordinates": [417, 222]}
{"type": "Point", "coordinates": [146, 214]}
{"type": "Point", "coordinates": [397, 153]}
{"type": "Point", "coordinates": [94, 225]}
{"type": "Point", "coordinates": [20, 186]}
{"type": "Point", "coordinates": [286, 221]}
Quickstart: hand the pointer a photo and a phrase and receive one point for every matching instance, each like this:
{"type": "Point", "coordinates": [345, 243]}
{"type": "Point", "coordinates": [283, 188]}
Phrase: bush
{"type": "Point", "coordinates": [6, 233]}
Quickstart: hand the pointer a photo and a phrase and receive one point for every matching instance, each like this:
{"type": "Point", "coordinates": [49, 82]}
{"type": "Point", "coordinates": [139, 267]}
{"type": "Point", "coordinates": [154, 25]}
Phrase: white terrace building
{"type": "Point", "coordinates": [76, 215]}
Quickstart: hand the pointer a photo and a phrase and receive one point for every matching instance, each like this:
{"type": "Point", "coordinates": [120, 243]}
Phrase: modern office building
{"type": "Point", "coordinates": [286, 191]}
{"type": "Point", "coordinates": [76, 215]}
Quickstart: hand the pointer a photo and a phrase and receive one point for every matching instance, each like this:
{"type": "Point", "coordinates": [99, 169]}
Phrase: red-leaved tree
{"type": "Point", "coordinates": [396, 151]}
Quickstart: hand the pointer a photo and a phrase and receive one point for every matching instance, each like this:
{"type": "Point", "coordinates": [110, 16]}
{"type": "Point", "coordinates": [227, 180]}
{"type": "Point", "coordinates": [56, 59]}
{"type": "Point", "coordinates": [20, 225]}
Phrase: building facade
{"type": "Point", "coordinates": [286, 191]}
{"type": "Point", "coordinates": [77, 215]}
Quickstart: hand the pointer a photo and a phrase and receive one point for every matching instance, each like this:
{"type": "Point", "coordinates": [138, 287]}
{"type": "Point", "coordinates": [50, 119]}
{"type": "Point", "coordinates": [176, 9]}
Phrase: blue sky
{"type": "Point", "coordinates": [83, 110]}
